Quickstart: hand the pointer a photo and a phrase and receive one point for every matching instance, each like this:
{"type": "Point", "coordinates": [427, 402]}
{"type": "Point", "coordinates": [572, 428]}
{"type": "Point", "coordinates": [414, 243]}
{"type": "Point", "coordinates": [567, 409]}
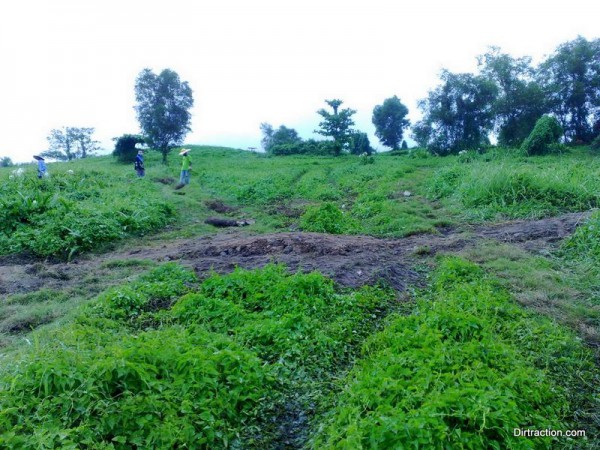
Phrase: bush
{"type": "Point", "coordinates": [585, 241]}
{"type": "Point", "coordinates": [227, 360]}
{"type": "Point", "coordinates": [6, 162]}
{"type": "Point", "coordinates": [309, 147]}
{"type": "Point", "coordinates": [365, 159]}
{"type": "Point", "coordinates": [543, 137]}
{"type": "Point", "coordinates": [169, 388]}
{"type": "Point", "coordinates": [326, 218]}
{"type": "Point", "coordinates": [360, 144]}
{"type": "Point", "coordinates": [70, 214]}
{"type": "Point", "coordinates": [125, 147]}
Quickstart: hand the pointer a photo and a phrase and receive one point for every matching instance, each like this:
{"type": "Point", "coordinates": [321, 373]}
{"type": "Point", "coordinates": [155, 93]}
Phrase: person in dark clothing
{"type": "Point", "coordinates": [42, 170]}
{"type": "Point", "coordinates": [139, 164]}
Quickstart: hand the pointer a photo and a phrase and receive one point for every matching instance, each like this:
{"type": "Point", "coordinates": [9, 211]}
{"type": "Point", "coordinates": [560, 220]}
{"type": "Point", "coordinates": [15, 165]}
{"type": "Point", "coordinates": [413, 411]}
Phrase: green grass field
{"type": "Point", "coordinates": [149, 355]}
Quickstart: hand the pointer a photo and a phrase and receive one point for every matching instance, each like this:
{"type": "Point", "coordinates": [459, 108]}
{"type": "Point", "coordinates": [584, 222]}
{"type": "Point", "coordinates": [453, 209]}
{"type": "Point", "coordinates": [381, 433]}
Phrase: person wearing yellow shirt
{"type": "Point", "coordinates": [186, 166]}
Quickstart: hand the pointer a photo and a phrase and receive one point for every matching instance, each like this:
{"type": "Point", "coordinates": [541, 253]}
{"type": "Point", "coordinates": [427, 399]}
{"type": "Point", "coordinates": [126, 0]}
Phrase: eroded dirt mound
{"type": "Point", "coordinates": [350, 260]}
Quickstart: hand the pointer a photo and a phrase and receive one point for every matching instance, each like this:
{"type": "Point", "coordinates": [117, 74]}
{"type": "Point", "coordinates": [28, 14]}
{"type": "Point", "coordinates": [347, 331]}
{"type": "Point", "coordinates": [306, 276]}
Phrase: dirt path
{"type": "Point", "coordinates": [350, 260]}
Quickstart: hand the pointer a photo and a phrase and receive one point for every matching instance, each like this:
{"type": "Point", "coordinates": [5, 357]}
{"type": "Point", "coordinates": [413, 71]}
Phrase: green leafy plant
{"type": "Point", "coordinates": [545, 134]}
{"type": "Point", "coordinates": [463, 372]}
{"type": "Point", "coordinates": [326, 218]}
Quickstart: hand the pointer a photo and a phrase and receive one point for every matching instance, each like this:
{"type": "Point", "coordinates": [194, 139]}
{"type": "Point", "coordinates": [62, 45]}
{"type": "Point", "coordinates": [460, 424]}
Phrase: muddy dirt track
{"type": "Point", "coordinates": [350, 260]}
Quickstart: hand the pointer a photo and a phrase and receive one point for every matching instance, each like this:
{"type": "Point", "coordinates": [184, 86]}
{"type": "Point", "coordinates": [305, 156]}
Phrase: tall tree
{"type": "Point", "coordinates": [520, 102]}
{"type": "Point", "coordinates": [390, 121]}
{"type": "Point", "coordinates": [84, 143]}
{"type": "Point", "coordinates": [70, 143]}
{"type": "Point", "coordinates": [571, 79]}
{"type": "Point", "coordinates": [457, 114]}
{"type": "Point", "coordinates": [163, 109]}
{"type": "Point", "coordinates": [337, 125]}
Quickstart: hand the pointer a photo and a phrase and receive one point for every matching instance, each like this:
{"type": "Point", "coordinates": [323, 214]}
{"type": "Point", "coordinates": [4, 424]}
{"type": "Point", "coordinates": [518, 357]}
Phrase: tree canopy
{"type": "Point", "coordinates": [337, 125]}
{"type": "Point", "coordinates": [390, 121]}
{"type": "Point", "coordinates": [126, 147]}
{"type": "Point", "coordinates": [571, 81]}
{"type": "Point", "coordinates": [508, 96]}
{"type": "Point", "coordinates": [520, 101]}
{"type": "Point", "coordinates": [6, 162]}
{"type": "Point", "coordinates": [70, 143]}
{"type": "Point", "coordinates": [457, 114]}
{"type": "Point", "coordinates": [282, 136]}
{"type": "Point", "coordinates": [163, 109]}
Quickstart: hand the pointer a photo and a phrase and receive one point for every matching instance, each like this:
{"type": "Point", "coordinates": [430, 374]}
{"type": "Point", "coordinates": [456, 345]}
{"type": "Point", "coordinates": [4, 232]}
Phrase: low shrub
{"type": "Point", "coordinates": [136, 302]}
{"type": "Point", "coordinates": [326, 218]}
{"type": "Point", "coordinates": [545, 134]}
{"type": "Point", "coordinates": [222, 369]}
{"type": "Point", "coordinates": [298, 322]}
{"type": "Point", "coordinates": [172, 388]}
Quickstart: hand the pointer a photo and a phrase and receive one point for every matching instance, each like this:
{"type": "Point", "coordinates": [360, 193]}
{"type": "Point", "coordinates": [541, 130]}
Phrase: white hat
{"type": "Point", "coordinates": [184, 151]}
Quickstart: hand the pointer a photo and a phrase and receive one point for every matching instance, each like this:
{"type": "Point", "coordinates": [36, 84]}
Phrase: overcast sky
{"type": "Point", "coordinates": [74, 62]}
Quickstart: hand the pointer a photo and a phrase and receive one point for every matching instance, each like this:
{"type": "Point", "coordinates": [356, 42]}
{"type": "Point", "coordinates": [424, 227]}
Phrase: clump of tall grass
{"type": "Point", "coordinates": [584, 243]}
{"type": "Point", "coordinates": [513, 190]}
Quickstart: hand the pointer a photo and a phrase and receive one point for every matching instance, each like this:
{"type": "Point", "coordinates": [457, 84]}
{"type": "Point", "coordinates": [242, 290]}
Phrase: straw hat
{"type": "Point", "coordinates": [184, 151]}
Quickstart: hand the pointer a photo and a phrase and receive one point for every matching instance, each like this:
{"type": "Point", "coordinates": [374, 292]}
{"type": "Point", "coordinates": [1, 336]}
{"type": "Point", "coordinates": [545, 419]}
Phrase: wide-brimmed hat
{"type": "Point", "coordinates": [39, 158]}
{"type": "Point", "coordinates": [184, 151]}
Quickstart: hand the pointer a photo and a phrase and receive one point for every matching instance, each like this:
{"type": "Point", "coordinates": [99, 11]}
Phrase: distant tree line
{"type": "Point", "coordinates": [505, 99]}
{"type": "Point", "coordinates": [389, 120]}
{"type": "Point", "coordinates": [508, 96]}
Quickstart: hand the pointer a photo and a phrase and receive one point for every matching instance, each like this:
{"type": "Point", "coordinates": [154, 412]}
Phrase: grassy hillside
{"type": "Point", "coordinates": [144, 354]}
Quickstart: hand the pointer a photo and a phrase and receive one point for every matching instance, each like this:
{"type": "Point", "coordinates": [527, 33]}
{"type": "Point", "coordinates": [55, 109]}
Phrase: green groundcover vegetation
{"type": "Point", "coordinates": [87, 204]}
{"type": "Point", "coordinates": [465, 370]}
{"type": "Point", "coordinates": [75, 211]}
{"type": "Point", "coordinates": [268, 359]}
{"type": "Point", "coordinates": [168, 361]}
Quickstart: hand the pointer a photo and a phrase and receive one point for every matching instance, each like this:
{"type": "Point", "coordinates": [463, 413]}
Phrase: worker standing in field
{"type": "Point", "coordinates": [42, 170]}
{"type": "Point", "coordinates": [186, 166]}
{"type": "Point", "coordinates": [139, 164]}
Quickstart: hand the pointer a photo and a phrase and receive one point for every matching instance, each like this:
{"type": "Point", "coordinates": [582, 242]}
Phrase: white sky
{"type": "Point", "coordinates": [74, 62]}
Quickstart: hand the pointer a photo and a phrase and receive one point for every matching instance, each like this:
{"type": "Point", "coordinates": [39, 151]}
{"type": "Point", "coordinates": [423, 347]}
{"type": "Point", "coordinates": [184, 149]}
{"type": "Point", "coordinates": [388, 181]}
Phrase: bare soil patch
{"type": "Point", "coordinates": [350, 260]}
{"type": "Point", "coordinates": [219, 206]}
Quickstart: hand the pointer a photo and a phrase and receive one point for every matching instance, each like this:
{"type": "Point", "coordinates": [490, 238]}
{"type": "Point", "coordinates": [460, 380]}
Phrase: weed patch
{"type": "Point", "coordinates": [230, 364]}
{"type": "Point", "coordinates": [463, 372]}
{"type": "Point", "coordinates": [70, 214]}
